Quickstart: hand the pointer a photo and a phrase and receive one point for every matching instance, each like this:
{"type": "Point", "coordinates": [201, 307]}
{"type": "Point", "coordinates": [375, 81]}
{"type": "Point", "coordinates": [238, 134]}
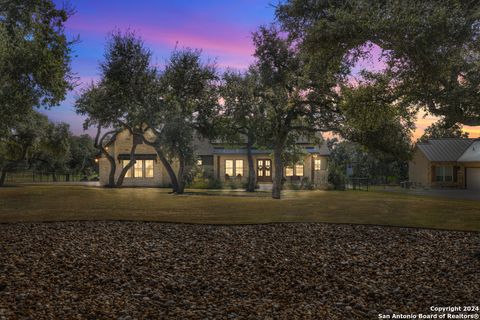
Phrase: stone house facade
{"type": "Point", "coordinates": [217, 161]}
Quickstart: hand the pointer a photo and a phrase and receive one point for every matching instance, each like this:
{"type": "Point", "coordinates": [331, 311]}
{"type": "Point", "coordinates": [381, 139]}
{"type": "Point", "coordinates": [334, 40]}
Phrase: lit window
{"type": "Point", "coordinates": [299, 170]}
{"type": "Point", "coordinates": [289, 171]}
{"type": "Point", "coordinates": [199, 162]}
{"type": "Point", "coordinates": [129, 172]}
{"type": "Point", "coordinates": [318, 164]}
{"type": "Point", "coordinates": [444, 174]}
{"type": "Point", "coordinates": [239, 168]}
{"type": "Point", "coordinates": [138, 169]}
{"type": "Point", "coordinates": [148, 168]}
{"type": "Point", "coordinates": [267, 168]}
{"type": "Point", "coordinates": [229, 168]}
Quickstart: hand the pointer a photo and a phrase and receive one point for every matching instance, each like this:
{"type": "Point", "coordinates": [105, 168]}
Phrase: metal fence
{"type": "Point", "coordinates": [359, 183]}
{"type": "Point", "coordinates": [41, 176]}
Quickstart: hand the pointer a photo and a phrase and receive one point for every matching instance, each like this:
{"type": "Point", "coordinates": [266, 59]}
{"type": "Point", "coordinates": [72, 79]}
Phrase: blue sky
{"type": "Point", "coordinates": [222, 29]}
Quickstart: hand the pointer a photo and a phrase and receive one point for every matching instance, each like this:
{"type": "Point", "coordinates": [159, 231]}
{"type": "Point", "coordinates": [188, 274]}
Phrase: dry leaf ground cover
{"type": "Point", "coordinates": [63, 203]}
{"type": "Point", "coordinates": [148, 270]}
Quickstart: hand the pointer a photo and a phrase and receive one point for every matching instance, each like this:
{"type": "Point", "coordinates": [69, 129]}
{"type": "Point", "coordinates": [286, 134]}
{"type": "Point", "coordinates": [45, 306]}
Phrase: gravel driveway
{"type": "Point", "coordinates": [139, 270]}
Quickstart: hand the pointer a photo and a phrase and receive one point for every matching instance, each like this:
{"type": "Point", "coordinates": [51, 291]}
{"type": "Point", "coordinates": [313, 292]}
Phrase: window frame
{"type": "Point", "coordinates": [240, 168]}
{"type": "Point", "coordinates": [132, 172]}
{"type": "Point", "coordinates": [235, 168]}
{"type": "Point", "coordinates": [145, 169]}
{"type": "Point", "coordinates": [138, 163]}
{"type": "Point", "coordinates": [289, 171]}
{"type": "Point", "coordinates": [443, 173]}
{"type": "Point", "coordinates": [232, 167]}
{"type": "Point", "coordinates": [296, 170]}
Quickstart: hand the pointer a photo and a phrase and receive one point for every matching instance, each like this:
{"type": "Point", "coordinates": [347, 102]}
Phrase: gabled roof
{"type": "Point", "coordinates": [472, 154]}
{"type": "Point", "coordinates": [447, 149]}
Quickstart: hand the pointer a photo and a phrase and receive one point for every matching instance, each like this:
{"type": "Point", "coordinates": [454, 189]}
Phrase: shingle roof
{"type": "Point", "coordinates": [447, 149]}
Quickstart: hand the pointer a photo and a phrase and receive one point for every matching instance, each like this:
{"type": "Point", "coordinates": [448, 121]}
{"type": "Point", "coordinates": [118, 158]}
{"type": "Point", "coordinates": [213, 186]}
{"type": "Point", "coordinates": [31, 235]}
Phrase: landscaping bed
{"type": "Point", "coordinates": [128, 270]}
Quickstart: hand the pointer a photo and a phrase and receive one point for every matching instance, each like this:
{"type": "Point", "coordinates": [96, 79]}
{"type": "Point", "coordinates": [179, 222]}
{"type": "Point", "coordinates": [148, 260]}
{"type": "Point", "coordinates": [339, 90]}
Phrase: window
{"type": "Point", "coordinates": [320, 164]}
{"type": "Point", "coordinates": [299, 170]}
{"type": "Point", "coordinates": [444, 174]}
{"type": "Point", "coordinates": [141, 169]}
{"type": "Point", "coordinates": [129, 172]}
{"type": "Point", "coordinates": [324, 164]}
{"type": "Point", "coordinates": [229, 168]}
{"type": "Point", "coordinates": [267, 168]}
{"type": "Point", "coordinates": [296, 171]}
{"type": "Point", "coordinates": [234, 168]}
{"type": "Point", "coordinates": [289, 171]}
{"type": "Point", "coordinates": [239, 168]}
{"type": "Point", "coordinates": [148, 168]}
{"type": "Point", "coordinates": [138, 169]}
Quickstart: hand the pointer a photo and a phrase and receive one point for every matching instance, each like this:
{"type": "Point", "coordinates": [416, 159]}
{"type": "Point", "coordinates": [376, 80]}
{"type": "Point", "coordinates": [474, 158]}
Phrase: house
{"type": "Point", "coordinates": [218, 161]}
{"type": "Point", "coordinates": [446, 163]}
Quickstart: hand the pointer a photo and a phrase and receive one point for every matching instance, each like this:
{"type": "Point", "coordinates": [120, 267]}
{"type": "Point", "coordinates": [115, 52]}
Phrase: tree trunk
{"type": "Point", "coordinates": [278, 166]}
{"type": "Point", "coordinates": [251, 167]}
{"type": "Point", "coordinates": [3, 177]}
{"type": "Point", "coordinates": [168, 167]}
{"type": "Point", "coordinates": [181, 175]}
{"type": "Point", "coordinates": [130, 164]}
{"type": "Point", "coordinates": [54, 176]}
{"type": "Point", "coordinates": [111, 174]}
{"type": "Point", "coordinates": [99, 145]}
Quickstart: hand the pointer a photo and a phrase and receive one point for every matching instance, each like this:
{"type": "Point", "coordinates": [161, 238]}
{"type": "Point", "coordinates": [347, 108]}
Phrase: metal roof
{"type": "Point", "coordinates": [447, 149]}
{"type": "Point", "coordinates": [472, 154]}
{"type": "Point", "coordinates": [323, 150]}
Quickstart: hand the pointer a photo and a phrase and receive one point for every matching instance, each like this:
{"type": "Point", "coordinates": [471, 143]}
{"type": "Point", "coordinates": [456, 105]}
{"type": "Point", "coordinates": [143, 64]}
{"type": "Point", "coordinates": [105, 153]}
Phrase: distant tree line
{"type": "Point", "coordinates": [300, 83]}
{"type": "Point", "coordinates": [36, 144]}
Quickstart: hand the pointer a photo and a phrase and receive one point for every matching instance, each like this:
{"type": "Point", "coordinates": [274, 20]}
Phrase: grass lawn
{"type": "Point", "coordinates": [62, 203]}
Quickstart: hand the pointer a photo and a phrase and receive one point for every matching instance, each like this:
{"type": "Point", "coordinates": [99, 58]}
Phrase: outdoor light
{"type": "Point", "coordinates": [96, 160]}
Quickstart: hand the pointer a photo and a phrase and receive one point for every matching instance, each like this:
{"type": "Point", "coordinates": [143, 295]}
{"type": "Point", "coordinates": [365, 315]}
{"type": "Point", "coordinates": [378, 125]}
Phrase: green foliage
{"type": "Point", "coordinates": [303, 184]}
{"type": "Point", "coordinates": [53, 151]}
{"type": "Point", "coordinates": [188, 98]}
{"type": "Point", "coordinates": [35, 58]}
{"type": "Point", "coordinates": [364, 162]}
{"type": "Point", "coordinates": [440, 129]}
{"type": "Point", "coordinates": [240, 117]}
{"type": "Point", "coordinates": [23, 140]}
{"type": "Point", "coordinates": [294, 105]}
{"type": "Point", "coordinates": [205, 182]}
{"type": "Point", "coordinates": [430, 48]}
{"type": "Point", "coordinates": [189, 101]}
{"type": "Point", "coordinates": [127, 86]}
{"type": "Point", "coordinates": [374, 118]}
{"type": "Point", "coordinates": [82, 155]}
{"type": "Point", "coordinates": [35, 143]}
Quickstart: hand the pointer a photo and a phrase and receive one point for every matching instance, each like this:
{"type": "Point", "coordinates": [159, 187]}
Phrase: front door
{"type": "Point", "coordinates": [264, 170]}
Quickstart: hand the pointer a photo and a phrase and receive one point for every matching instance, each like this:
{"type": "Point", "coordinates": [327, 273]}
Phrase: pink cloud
{"type": "Point", "coordinates": [220, 39]}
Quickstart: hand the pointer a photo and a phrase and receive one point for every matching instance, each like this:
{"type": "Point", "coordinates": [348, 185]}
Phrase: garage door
{"type": "Point", "coordinates": [473, 178]}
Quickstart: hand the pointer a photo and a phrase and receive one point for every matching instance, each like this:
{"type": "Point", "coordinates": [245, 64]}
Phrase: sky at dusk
{"type": "Point", "coordinates": [222, 29]}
